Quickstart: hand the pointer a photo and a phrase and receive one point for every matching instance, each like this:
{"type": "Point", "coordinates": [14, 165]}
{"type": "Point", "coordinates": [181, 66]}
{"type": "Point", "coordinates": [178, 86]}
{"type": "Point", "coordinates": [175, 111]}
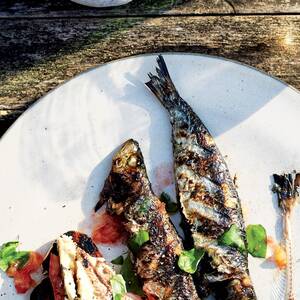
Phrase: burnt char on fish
{"type": "Point", "coordinates": [128, 194]}
{"type": "Point", "coordinates": [208, 197]}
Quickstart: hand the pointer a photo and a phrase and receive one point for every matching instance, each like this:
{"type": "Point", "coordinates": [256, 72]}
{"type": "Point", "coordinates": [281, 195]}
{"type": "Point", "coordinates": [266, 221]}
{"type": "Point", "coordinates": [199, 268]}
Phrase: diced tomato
{"type": "Point", "coordinates": [56, 278]}
{"type": "Point", "coordinates": [23, 282]}
{"type": "Point", "coordinates": [279, 257]}
{"type": "Point", "coordinates": [108, 230]}
{"type": "Point", "coordinates": [278, 253]}
{"type": "Point", "coordinates": [22, 279]}
{"type": "Point", "coordinates": [33, 264]}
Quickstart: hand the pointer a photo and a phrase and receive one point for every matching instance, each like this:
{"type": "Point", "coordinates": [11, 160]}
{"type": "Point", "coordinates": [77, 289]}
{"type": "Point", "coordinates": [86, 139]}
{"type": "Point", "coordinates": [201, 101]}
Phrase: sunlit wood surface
{"type": "Point", "coordinates": [44, 43]}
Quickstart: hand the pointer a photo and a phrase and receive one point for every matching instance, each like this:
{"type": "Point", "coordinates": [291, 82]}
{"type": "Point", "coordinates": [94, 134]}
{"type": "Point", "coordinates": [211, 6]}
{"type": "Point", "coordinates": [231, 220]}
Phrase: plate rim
{"type": "Point", "coordinates": [99, 6]}
{"type": "Point", "coordinates": [171, 53]}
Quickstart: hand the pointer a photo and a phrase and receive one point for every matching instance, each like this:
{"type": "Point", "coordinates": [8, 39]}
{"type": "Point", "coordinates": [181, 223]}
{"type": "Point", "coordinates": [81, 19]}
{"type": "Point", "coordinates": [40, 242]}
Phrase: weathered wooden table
{"type": "Point", "coordinates": [44, 43]}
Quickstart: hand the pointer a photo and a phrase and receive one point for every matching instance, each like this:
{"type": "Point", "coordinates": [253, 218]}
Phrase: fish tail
{"type": "Point", "coordinates": [162, 85]}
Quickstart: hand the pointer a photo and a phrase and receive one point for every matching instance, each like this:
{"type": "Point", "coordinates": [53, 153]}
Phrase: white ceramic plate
{"type": "Point", "coordinates": [101, 3]}
{"type": "Point", "coordinates": [56, 156]}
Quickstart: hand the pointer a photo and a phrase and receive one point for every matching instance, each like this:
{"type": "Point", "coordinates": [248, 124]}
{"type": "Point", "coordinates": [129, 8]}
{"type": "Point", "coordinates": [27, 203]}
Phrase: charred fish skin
{"type": "Point", "coordinates": [128, 194]}
{"type": "Point", "coordinates": [205, 189]}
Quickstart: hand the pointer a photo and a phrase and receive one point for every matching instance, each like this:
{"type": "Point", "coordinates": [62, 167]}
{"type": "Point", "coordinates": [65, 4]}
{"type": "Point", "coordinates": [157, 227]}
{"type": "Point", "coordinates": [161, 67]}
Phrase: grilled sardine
{"type": "Point", "coordinates": [208, 197]}
{"type": "Point", "coordinates": [128, 194]}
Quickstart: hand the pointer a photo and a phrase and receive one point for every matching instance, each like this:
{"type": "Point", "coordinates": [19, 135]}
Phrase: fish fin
{"type": "Point", "coordinates": [162, 85]}
{"type": "Point", "coordinates": [99, 204]}
{"type": "Point", "coordinates": [103, 197]}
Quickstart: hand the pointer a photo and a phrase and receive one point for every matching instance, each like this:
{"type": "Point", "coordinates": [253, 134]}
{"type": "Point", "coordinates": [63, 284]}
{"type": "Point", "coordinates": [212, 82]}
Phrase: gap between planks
{"type": "Point", "coordinates": [154, 15]}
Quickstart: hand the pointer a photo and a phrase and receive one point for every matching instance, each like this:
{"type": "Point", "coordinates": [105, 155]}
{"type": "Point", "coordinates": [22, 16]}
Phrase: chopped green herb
{"type": "Point", "coordinates": [257, 240]}
{"type": "Point", "coordinates": [132, 282]}
{"type": "Point", "coordinates": [171, 206]}
{"type": "Point", "coordinates": [233, 238]}
{"type": "Point", "coordinates": [189, 259]}
{"type": "Point", "coordinates": [118, 260]}
{"type": "Point", "coordinates": [118, 287]}
{"type": "Point", "coordinates": [9, 255]}
{"type": "Point", "coordinates": [138, 239]}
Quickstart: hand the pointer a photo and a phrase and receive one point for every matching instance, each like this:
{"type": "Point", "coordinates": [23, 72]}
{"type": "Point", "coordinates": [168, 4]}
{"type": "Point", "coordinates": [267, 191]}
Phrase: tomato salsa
{"type": "Point", "coordinates": [108, 230]}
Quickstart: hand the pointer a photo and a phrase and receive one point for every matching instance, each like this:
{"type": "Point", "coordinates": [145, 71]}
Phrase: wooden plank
{"type": "Point", "coordinates": [65, 8]}
{"type": "Point", "coordinates": [266, 6]}
{"type": "Point", "coordinates": [40, 54]}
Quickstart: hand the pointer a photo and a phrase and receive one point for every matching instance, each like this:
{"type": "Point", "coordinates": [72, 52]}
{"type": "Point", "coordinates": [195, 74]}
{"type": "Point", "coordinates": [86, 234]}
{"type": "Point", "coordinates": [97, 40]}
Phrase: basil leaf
{"type": "Point", "coordinates": [118, 287]}
{"type": "Point", "coordinates": [189, 259]}
{"type": "Point", "coordinates": [118, 260]}
{"type": "Point", "coordinates": [171, 206]}
{"type": "Point", "coordinates": [7, 252]}
{"type": "Point", "coordinates": [8, 248]}
{"type": "Point", "coordinates": [132, 282]}
{"type": "Point", "coordinates": [257, 240]}
{"type": "Point", "coordinates": [10, 255]}
{"type": "Point", "coordinates": [138, 239]}
{"type": "Point", "coordinates": [233, 238]}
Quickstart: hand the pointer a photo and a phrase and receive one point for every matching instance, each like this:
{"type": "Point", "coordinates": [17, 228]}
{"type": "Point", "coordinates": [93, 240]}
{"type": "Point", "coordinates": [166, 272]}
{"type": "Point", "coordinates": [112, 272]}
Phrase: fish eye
{"type": "Point", "coordinates": [133, 161]}
{"type": "Point", "coordinates": [118, 162]}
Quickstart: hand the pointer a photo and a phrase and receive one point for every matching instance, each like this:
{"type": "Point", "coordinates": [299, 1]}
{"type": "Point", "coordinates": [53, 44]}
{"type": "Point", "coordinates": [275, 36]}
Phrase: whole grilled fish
{"type": "Point", "coordinates": [128, 194]}
{"type": "Point", "coordinates": [208, 197]}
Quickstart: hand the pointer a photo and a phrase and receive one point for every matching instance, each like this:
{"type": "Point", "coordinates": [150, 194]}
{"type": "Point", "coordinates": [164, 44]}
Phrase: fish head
{"type": "Point", "coordinates": [127, 180]}
{"type": "Point", "coordinates": [128, 159]}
